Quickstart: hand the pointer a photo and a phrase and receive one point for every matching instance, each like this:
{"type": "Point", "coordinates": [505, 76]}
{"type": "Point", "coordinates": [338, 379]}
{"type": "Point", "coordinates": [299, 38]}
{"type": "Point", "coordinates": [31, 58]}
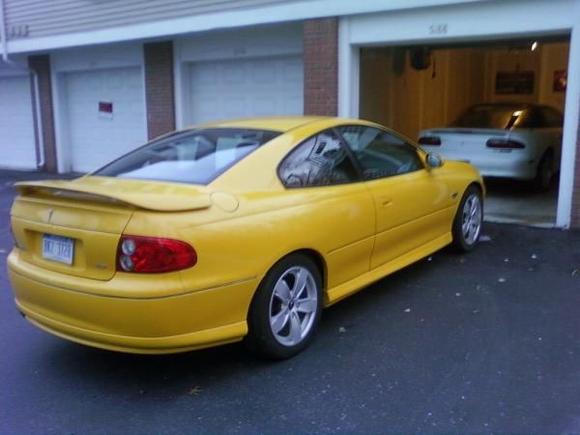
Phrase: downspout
{"type": "Point", "coordinates": [3, 33]}
{"type": "Point", "coordinates": [40, 158]}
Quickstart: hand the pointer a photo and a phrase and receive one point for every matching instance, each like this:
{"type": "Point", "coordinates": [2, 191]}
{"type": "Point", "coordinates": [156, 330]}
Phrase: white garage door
{"type": "Point", "coordinates": [17, 142]}
{"type": "Point", "coordinates": [105, 115]}
{"type": "Point", "coordinates": [246, 87]}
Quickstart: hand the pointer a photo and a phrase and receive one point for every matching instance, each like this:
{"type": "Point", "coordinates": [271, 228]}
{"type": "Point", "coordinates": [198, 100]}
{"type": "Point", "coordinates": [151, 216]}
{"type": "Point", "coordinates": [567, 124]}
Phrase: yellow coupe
{"type": "Point", "coordinates": [236, 230]}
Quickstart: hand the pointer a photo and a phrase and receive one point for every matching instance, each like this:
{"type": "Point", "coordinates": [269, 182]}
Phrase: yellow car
{"type": "Point", "coordinates": [236, 230]}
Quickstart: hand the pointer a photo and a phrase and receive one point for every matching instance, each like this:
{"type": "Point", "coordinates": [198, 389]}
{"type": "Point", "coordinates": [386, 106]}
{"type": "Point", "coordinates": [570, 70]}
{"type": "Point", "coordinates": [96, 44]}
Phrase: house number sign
{"type": "Point", "coordinates": [438, 29]}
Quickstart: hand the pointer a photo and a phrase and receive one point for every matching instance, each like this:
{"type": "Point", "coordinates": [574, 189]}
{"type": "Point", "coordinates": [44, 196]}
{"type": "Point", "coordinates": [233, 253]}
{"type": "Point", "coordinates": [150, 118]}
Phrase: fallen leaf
{"type": "Point", "coordinates": [501, 280]}
{"type": "Point", "coordinates": [534, 256]}
{"type": "Point", "coordinates": [506, 260]}
{"type": "Point", "coordinates": [341, 330]}
{"type": "Point", "coordinates": [457, 294]}
{"type": "Point", "coordinates": [408, 310]}
{"type": "Point", "coordinates": [195, 391]}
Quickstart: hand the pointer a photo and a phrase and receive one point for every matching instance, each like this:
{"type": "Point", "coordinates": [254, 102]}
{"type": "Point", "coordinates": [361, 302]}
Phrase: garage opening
{"type": "Point", "coordinates": [498, 105]}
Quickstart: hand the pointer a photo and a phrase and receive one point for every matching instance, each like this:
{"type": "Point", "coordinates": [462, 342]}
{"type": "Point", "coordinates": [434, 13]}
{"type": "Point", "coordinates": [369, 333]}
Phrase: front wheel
{"type": "Point", "coordinates": [468, 220]}
{"type": "Point", "coordinates": [286, 309]}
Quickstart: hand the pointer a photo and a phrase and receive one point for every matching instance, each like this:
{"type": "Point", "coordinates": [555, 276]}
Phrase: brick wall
{"type": "Point", "coordinates": [159, 88]}
{"type": "Point", "coordinates": [41, 65]}
{"type": "Point", "coordinates": [321, 67]}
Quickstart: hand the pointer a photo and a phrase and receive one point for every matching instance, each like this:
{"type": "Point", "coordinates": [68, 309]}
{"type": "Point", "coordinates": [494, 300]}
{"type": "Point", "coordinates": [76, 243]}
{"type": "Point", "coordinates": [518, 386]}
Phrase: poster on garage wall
{"type": "Point", "coordinates": [560, 80]}
{"type": "Point", "coordinates": [514, 82]}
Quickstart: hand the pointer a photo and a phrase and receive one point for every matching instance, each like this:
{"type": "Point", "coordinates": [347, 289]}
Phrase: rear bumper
{"type": "Point", "coordinates": [512, 166]}
{"type": "Point", "coordinates": [146, 325]}
{"type": "Point", "coordinates": [516, 169]}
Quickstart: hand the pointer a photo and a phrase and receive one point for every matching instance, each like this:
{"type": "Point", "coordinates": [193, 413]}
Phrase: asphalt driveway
{"type": "Point", "coordinates": [486, 342]}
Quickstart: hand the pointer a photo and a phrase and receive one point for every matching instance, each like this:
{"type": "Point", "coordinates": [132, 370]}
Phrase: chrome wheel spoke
{"type": "Point", "coordinates": [307, 305]}
{"type": "Point", "coordinates": [295, 328]}
{"type": "Point", "coordinates": [282, 291]}
{"type": "Point", "coordinates": [299, 283]}
{"type": "Point", "coordinates": [279, 321]}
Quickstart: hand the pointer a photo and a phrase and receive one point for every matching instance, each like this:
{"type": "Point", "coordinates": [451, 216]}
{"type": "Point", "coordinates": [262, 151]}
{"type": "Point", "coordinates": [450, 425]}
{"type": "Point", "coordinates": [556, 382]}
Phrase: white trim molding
{"type": "Point", "coordinates": [291, 10]}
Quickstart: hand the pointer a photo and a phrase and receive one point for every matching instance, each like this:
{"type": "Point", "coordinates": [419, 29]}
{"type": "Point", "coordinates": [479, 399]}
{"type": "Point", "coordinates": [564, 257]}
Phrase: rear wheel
{"type": "Point", "coordinates": [468, 220]}
{"type": "Point", "coordinates": [286, 309]}
{"type": "Point", "coordinates": [545, 172]}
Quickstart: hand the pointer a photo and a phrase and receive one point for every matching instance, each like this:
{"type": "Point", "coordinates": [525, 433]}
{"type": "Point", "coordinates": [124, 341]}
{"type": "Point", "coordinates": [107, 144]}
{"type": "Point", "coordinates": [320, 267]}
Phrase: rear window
{"type": "Point", "coordinates": [502, 116]}
{"type": "Point", "coordinates": [195, 156]}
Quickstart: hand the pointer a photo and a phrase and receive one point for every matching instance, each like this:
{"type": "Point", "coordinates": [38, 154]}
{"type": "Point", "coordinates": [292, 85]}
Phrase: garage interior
{"type": "Point", "coordinates": [412, 88]}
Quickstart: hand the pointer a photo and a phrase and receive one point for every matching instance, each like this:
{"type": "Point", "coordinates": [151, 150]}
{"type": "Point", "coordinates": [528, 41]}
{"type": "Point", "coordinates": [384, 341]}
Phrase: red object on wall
{"type": "Point", "coordinates": [560, 80]}
{"type": "Point", "coordinates": [105, 107]}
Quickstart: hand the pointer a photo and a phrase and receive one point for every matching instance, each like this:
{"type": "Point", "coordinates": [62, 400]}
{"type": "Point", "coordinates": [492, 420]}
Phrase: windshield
{"type": "Point", "coordinates": [502, 116]}
{"type": "Point", "coordinates": [195, 156]}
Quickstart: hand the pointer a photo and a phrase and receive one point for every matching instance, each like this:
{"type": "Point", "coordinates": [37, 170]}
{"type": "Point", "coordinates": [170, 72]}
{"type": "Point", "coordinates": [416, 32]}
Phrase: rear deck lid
{"type": "Point", "coordinates": [74, 227]}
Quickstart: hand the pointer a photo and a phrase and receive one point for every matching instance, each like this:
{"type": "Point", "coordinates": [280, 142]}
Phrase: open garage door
{"type": "Point", "coordinates": [105, 115]}
{"type": "Point", "coordinates": [17, 141]}
{"type": "Point", "coordinates": [227, 89]}
{"type": "Point", "coordinates": [497, 105]}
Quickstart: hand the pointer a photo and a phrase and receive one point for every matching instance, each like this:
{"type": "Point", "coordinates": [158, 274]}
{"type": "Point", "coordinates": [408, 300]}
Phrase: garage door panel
{"type": "Point", "coordinates": [95, 137]}
{"type": "Point", "coordinates": [17, 139]}
{"type": "Point", "coordinates": [246, 87]}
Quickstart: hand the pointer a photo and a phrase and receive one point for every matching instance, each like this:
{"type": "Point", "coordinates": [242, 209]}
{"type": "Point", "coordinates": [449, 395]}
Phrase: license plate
{"type": "Point", "coordinates": [57, 248]}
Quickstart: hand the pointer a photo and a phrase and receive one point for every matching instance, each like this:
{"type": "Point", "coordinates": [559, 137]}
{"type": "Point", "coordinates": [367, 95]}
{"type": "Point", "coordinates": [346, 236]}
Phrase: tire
{"type": "Point", "coordinates": [545, 172]}
{"type": "Point", "coordinates": [468, 220]}
{"type": "Point", "coordinates": [284, 314]}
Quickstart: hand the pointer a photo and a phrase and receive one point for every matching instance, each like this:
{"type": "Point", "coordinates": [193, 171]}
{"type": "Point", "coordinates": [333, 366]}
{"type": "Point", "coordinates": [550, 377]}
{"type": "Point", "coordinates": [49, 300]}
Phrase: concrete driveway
{"type": "Point", "coordinates": [484, 342]}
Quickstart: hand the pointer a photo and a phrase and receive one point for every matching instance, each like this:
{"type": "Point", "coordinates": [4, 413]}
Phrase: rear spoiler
{"type": "Point", "coordinates": [145, 195]}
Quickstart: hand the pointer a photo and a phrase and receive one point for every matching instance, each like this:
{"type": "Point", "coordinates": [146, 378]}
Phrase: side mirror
{"type": "Point", "coordinates": [433, 161]}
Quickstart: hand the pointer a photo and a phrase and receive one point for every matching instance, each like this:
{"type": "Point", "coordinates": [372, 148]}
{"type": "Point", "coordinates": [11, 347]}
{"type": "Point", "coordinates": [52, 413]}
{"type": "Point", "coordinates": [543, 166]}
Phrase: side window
{"type": "Point", "coordinates": [533, 118]}
{"type": "Point", "coordinates": [319, 161]}
{"type": "Point", "coordinates": [554, 118]}
{"type": "Point", "coordinates": [379, 153]}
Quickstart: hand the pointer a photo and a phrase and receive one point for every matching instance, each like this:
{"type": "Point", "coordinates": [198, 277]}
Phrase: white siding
{"type": "Point", "coordinates": [40, 18]}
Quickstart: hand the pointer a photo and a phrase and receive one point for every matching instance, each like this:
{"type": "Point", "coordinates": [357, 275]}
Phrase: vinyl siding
{"type": "Point", "coordinates": [39, 18]}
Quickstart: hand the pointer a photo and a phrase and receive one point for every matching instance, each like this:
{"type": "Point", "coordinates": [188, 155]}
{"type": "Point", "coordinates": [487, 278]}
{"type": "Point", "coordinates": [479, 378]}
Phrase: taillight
{"type": "Point", "coordinates": [153, 255]}
{"type": "Point", "coordinates": [430, 140]}
{"type": "Point", "coordinates": [504, 143]}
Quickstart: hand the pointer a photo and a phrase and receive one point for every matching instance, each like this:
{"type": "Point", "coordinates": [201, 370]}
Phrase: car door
{"type": "Point", "coordinates": [413, 205]}
{"type": "Point", "coordinates": [337, 212]}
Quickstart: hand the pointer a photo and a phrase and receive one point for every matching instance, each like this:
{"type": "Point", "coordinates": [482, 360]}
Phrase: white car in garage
{"type": "Point", "coordinates": [504, 140]}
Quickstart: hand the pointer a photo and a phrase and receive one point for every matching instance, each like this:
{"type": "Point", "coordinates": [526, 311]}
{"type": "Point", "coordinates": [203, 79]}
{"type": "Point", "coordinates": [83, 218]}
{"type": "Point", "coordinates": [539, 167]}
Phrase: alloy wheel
{"type": "Point", "coordinates": [293, 306]}
{"type": "Point", "coordinates": [472, 218]}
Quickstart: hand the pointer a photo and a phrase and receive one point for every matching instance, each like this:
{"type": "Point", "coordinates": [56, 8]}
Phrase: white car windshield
{"type": "Point", "coordinates": [195, 156]}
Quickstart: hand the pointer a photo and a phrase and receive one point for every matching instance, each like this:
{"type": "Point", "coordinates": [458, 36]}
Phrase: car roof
{"type": "Point", "coordinates": [273, 123]}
